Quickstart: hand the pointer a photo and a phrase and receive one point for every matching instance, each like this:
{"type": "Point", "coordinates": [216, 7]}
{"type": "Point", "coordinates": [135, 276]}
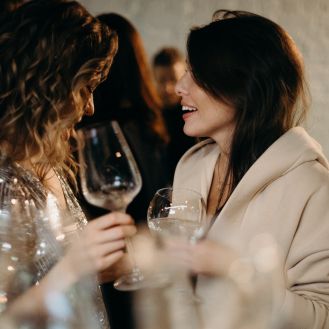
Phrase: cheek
{"type": "Point", "coordinates": [223, 117]}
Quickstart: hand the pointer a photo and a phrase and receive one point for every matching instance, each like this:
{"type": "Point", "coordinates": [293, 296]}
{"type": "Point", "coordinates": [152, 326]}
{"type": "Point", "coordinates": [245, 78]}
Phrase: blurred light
{"type": "Point", "coordinates": [6, 246]}
{"type": "Point", "coordinates": [3, 298]}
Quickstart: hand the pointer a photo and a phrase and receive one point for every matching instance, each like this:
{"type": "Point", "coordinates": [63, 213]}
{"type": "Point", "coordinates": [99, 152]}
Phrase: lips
{"type": "Point", "coordinates": [188, 111]}
{"type": "Point", "coordinates": [186, 108]}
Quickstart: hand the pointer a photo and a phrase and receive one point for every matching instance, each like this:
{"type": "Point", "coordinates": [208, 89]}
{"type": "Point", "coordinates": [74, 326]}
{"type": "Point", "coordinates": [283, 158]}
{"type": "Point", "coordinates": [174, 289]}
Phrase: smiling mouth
{"type": "Point", "coordinates": [188, 109]}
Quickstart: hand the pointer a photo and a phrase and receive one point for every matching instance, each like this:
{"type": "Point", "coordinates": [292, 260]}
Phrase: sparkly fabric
{"type": "Point", "coordinates": [34, 231]}
{"type": "Point", "coordinates": [81, 221]}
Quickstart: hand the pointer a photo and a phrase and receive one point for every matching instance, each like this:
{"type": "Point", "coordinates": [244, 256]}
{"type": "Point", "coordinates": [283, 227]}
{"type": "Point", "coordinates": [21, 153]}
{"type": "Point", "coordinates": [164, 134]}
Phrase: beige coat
{"type": "Point", "coordinates": [285, 194]}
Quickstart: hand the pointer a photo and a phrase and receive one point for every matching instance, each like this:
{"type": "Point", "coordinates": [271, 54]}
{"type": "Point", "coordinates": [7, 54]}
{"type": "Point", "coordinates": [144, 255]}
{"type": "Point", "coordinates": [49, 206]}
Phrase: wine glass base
{"type": "Point", "coordinates": [135, 281]}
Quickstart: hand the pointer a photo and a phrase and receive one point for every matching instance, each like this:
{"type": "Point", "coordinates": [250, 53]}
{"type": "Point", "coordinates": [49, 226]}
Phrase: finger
{"type": "Point", "coordinates": [99, 255]}
{"type": "Point", "coordinates": [129, 230]}
{"type": "Point", "coordinates": [112, 258]}
{"type": "Point", "coordinates": [116, 233]}
{"type": "Point", "coordinates": [176, 245]}
{"type": "Point", "coordinates": [110, 220]}
{"type": "Point", "coordinates": [180, 260]}
{"type": "Point", "coordinates": [180, 255]}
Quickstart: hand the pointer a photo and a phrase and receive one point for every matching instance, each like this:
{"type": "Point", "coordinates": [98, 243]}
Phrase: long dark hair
{"type": "Point", "coordinates": [130, 82]}
{"type": "Point", "coordinates": [50, 52]}
{"type": "Point", "coordinates": [253, 65]}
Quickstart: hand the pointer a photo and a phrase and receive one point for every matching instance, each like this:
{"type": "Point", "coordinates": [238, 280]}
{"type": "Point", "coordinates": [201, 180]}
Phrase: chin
{"type": "Point", "coordinates": [193, 131]}
{"type": "Point", "coordinates": [190, 132]}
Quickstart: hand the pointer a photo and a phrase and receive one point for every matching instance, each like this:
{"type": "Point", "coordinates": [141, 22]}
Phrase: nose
{"type": "Point", "coordinates": [90, 108]}
{"type": "Point", "coordinates": [180, 88]}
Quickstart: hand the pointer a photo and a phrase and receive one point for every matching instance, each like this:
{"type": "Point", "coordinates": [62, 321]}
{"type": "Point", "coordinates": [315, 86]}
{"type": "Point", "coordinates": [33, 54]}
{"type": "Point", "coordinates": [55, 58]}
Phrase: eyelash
{"type": "Point", "coordinates": [90, 89]}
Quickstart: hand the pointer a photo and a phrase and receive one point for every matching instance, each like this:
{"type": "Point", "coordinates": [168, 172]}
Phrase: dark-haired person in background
{"type": "Point", "coordinates": [168, 67]}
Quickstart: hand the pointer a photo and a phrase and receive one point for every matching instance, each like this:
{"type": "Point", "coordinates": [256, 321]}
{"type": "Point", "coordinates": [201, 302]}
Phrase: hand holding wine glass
{"type": "Point", "coordinates": [110, 179]}
{"type": "Point", "coordinates": [177, 216]}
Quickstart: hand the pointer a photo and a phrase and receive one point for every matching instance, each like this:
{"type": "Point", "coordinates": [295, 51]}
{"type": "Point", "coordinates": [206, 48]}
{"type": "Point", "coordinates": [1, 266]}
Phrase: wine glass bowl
{"type": "Point", "coordinates": [178, 212]}
{"type": "Point", "coordinates": [109, 175]}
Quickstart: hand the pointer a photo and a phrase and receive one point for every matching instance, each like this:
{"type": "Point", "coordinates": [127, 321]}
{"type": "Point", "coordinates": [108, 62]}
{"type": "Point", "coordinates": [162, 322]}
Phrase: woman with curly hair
{"type": "Point", "coordinates": [49, 69]}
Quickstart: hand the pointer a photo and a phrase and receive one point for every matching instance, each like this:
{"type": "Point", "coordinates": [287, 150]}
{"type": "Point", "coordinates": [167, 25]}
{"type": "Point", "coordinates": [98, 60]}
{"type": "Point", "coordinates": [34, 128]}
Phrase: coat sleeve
{"type": "Point", "coordinates": [306, 303]}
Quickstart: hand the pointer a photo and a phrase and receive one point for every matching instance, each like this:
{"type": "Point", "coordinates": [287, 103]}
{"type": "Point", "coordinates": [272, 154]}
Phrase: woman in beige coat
{"type": "Point", "coordinates": [261, 174]}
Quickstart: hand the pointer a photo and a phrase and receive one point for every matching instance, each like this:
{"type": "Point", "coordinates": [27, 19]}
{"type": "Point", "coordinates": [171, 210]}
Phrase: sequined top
{"type": "Point", "coordinates": [34, 233]}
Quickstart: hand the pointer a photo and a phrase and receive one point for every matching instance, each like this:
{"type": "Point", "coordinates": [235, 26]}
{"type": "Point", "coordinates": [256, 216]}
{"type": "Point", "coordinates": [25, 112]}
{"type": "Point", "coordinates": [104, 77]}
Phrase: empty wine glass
{"type": "Point", "coordinates": [110, 179]}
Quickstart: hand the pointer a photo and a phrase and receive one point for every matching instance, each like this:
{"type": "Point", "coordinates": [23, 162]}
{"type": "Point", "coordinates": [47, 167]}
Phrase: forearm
{"type": "Point", "coordinates": [99, 247]}
{"type": "Point", "coordinates": [112, 273]}
{"type": "Point", "coordinates": [302, 312]}
{"type": "Point", "coordinates": [33, 302]}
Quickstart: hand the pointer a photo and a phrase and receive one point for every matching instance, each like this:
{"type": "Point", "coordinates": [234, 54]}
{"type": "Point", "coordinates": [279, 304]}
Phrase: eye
{"type": "Point", "coordinates": [102, 76]}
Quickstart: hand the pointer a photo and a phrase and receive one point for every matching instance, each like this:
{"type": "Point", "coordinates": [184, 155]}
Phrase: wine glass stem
{"type": "Point", "coordinates": [130, 250]}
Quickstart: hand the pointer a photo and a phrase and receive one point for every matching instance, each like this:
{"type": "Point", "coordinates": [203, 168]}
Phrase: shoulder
{"type": "Point", "coordinates": [201, 150]}
{"type": "Point", "coordinates": [195, 167]}
{"type": "Point", "coordinates": [10, 175]}
{"type": "Point", "coordinates": [20, 184]}
{"type": "Point", "coordinates": [309, 176]}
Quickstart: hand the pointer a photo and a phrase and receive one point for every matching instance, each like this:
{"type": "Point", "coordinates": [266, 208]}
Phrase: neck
{"type": "Point", "coordinates": [222, 162]}
{"type": "Point", "coordinates": [224, 139]}
{"type": "Point", "coordinates": [219, 189]}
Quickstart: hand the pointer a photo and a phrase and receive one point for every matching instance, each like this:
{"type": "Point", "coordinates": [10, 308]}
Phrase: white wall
{"type": "Point", "coordinates": [167, 22]}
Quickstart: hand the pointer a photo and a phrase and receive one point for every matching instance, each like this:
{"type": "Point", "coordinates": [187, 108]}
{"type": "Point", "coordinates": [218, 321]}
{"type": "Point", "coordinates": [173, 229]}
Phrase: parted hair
{"type": "Point", "coordinates": [51, 53]}
{"type": "Point", "coordinates": [252, 64]}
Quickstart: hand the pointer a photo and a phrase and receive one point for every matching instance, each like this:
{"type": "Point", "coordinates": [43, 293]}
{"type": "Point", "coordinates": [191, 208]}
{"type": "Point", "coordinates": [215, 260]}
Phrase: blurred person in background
{"type": "Point", "coordinates": [168, 67]}
{"type": "Point", "coordinates": [129, 96]}
{"type": "Point", "coordinates": [48, 69]}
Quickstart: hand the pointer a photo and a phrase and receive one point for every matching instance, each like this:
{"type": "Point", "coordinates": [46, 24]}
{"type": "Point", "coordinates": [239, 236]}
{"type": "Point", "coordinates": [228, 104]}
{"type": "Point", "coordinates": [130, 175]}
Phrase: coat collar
{"type": "Point", "coordinates": [291, 150]}
{"type": "Point", "coordinates": [195, 170]}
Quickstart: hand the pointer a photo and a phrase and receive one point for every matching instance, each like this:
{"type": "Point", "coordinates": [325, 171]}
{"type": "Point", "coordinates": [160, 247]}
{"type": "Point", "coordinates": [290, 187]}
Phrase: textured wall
{"type": "Point", "coordinates": [166, 22]}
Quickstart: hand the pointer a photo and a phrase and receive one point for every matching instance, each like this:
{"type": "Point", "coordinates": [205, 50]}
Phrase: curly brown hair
{"type": "Point", "coordinates": [51, 54]}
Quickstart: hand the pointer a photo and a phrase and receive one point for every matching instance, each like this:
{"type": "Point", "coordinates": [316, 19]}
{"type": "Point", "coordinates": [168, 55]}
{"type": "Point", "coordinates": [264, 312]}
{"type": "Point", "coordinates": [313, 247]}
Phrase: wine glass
{"type": "Point", "coordinates": [178, 212]}
{"type": "Point", "coordinates": [110, 179]}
